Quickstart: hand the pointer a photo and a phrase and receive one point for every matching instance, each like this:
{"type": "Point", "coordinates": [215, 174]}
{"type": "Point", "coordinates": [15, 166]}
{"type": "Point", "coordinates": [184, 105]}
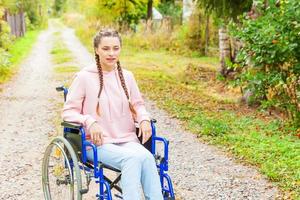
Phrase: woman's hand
{"type": "Point", "coordinates": [146, 130]}
{"type": "Point", "coordinates": [96, 134]}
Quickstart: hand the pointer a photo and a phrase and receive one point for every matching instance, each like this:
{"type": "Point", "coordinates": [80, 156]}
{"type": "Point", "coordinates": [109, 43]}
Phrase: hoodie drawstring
{"type": "Point", "coordinates": [121, 92]}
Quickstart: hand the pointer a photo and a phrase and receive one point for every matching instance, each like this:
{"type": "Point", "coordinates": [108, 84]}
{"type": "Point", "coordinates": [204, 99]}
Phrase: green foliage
{"type": "Point", "coordinates": [59, 7]}
{"type": "Point", "coordinates": [110, 11]}
{"type": "Point", "coordinates": [5, 38]}
{"type": "Point", "coordinates": [4, 63]}
{"type": "Point", "coordinates": [36, 12]}
{"type": "Point", "coordinates": [5, 42]}
{"type": "Point", "coordinates": [170, 9]}
{"type": "Point", "coordinates": [269, 60]}
{"type": "Point", "coordinates": [184, 39]}
{"type": "Point", "coordinates": [226, 9]}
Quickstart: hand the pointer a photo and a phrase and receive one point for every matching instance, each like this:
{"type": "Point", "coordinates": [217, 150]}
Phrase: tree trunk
{"type": "Point", "coordinates": [149, 16]}
{"type": "Point", "coordinates": [149, 10]}
{"type": "Point", "coordinates": [225, 50]}
{"type": "Point", "coordinates": [206, 35]}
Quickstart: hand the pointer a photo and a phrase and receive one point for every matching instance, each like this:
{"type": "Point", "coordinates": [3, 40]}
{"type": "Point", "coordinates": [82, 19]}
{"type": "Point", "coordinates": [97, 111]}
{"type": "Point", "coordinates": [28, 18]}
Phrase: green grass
{"type": "Point", "coordinates": [59, 50]}
{"type": "Point", "coordinates": [60, 54]}
{"type": "Point", "coordinates": [248, 135]}
{"type": "Point", "coordinates": [18, 51]}
{"type": "Point", "coordinates": [22, 46]}
{"type": "Point", "coordinates": [62, 58]}
{"type": "Point", "coordinates": [66, 69]}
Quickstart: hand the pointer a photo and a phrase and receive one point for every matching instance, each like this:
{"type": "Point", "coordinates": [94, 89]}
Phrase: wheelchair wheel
{"type": "Point", "coordinates": [61, 177]}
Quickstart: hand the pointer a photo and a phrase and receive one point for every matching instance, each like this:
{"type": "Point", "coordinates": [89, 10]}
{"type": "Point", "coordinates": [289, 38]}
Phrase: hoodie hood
{"type": "Point", "coordinates": [91, 68]}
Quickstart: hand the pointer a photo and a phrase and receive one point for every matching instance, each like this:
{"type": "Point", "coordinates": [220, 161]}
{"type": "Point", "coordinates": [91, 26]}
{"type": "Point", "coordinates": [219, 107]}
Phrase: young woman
{"type": "Point", "coordinates": [106, 100]}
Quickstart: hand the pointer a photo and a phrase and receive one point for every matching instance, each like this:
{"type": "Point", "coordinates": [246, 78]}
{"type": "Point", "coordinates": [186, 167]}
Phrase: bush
{"type": "Point", "coordinates": [269, 60]}
{"type": "Point", "coordinates": [5, 42]}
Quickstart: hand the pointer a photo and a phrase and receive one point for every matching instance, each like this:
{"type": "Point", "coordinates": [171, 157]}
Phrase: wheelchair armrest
{"type": "Point", "coordinates": [166, 151]}
{"type": "Point", "coordinates": [87, 143]}
{"type": "Point", "coordinates": [152, 121]}
{"type": "Point", "coordinates": [71, 125]}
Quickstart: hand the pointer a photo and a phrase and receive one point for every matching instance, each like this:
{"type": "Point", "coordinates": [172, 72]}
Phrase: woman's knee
{"type": "Point", "coordinates": [146, 157]}
{"type": "Point", "coordinates": [140, 158]}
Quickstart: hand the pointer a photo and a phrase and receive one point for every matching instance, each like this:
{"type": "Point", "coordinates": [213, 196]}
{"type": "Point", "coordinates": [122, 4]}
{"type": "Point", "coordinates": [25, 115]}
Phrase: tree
{"type": "Point", "coordinates": [59, 6]}
{"type": "Point", "coordinates": [226, 10]}
{"type": "Point", "coordinates": [124, 12]}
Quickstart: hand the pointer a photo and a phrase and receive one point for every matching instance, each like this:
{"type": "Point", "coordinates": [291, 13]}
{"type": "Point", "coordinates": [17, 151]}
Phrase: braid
{"type": "Point", "coordinates": [120, 72]}
{"type": "Point", "coordinates": [100, 73]}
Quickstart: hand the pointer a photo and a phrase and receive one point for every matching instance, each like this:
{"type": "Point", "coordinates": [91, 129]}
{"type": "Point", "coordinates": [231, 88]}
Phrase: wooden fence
{"type": "Point", "coordinates": [16, 22]}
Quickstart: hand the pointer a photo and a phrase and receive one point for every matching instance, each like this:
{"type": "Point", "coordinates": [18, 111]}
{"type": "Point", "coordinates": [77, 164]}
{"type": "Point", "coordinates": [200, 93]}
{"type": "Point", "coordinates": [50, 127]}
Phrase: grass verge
{"type": "Point", "coordinates": [18, 51]}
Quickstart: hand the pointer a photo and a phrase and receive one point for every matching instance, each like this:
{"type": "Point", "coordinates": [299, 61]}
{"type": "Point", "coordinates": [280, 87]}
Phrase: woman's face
{"type": "Point", "coordinates": [109, 50]}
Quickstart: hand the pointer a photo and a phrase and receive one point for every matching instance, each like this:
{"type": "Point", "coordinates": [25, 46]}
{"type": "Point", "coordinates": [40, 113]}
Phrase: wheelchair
{"type": "Point", "coordinates": [66, 172]}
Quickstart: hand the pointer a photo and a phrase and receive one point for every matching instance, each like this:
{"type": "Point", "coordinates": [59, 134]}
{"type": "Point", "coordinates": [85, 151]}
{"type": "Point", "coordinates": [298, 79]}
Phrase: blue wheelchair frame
{"type": "Point", "coordinates": [97, 168]}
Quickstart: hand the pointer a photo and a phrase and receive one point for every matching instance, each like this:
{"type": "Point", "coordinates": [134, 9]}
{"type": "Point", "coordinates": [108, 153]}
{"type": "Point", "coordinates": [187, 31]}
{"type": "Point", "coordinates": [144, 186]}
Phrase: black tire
{"type": "Point", "coordinates": [61, 177]}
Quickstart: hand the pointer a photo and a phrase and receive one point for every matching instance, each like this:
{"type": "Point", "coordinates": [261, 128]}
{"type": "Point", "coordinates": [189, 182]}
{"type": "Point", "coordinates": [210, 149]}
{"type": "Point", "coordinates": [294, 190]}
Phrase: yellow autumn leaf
{"type": "Point", "coordinates": [57, 153]}
{"type": "Point", "coordinates": [58, 170]}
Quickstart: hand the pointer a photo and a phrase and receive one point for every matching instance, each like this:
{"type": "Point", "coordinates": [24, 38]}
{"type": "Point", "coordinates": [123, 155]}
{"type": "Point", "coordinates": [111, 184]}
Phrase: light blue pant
{"type": "Point", "coordinates": [137, 165]}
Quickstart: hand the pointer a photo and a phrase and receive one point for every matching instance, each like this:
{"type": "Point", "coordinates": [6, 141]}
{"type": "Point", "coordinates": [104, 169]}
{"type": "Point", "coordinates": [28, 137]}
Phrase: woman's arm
{"type": "Point", "coordinates": [72, 111]}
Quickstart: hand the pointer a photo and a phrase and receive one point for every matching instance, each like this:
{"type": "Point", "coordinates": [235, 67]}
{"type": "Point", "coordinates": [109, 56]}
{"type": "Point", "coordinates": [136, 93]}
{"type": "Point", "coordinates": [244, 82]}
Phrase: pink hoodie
{"type": "Point", "coordinates": [115, 116]}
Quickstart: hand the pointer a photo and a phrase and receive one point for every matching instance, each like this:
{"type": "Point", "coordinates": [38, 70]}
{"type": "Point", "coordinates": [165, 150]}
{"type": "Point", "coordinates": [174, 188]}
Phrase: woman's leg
{"type": "Point", "coordinates": [128, 161]}
{"type": "Point", "coordinates": [149, 176]}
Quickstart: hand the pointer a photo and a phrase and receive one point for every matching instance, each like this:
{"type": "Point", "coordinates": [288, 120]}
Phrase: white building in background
{"type": "Point", "coordinates": [187, 10]}
{"type": "Point", "coordinates": [156, 15]}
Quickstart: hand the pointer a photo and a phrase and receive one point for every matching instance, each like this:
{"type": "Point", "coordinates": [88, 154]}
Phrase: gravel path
{"type": "Point", "coordinates": [198, 171]}
{"type": "Point", "coordinates": [25, 113]}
